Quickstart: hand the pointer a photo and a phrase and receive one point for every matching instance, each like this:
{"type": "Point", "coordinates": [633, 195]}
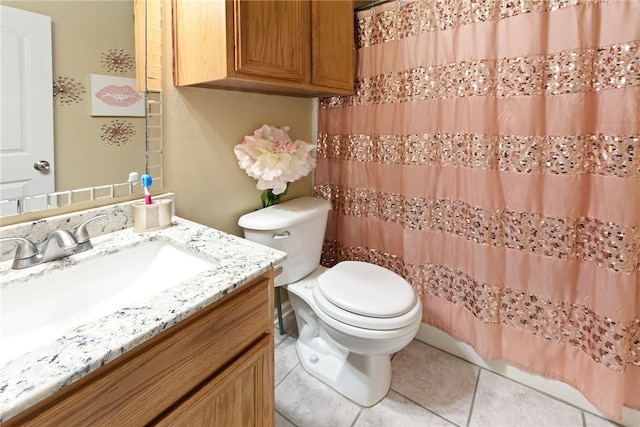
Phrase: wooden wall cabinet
{"type": "Point", "coordinates": [215, 368]}
{"type": "Point", "coordinates": [301, 47]}
{"type": "Point", "coordinates": [147, 19]}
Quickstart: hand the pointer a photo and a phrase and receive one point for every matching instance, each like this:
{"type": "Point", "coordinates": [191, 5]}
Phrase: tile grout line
{"type": "Point", "coordinates": [355, 420]}
{"type": "Point", "coordinates": [286, 375]}
{"type": "Point", "coordinates": [288, 372]}
{"type": "Point", "coordinates": [550, 396]}
{"type": "Point", "coordinates": [422, 406]}
{"type": "Point", "coordinates": [525, 385]}
{"type": "Point", "coordinates": [286, 418]}
{"type": "Point", "coordinates": [473, 398]}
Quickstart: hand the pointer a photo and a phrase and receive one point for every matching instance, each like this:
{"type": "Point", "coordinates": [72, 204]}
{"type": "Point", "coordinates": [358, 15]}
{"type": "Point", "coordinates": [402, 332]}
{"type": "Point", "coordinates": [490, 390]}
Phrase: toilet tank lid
{"type": "Point", "coordinates": [285, 214]}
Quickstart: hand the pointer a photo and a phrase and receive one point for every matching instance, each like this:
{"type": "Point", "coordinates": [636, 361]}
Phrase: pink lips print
{"type": "Point", "coordinates": [118, 96]}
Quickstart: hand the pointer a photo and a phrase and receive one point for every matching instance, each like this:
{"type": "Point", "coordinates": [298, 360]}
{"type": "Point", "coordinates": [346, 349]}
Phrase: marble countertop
{"type": "Point", "coordinates": [31, 377]}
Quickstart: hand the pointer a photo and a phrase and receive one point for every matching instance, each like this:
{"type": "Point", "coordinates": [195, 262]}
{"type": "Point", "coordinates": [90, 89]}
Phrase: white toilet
{"type": "Point", "coordinates": [351, 317]}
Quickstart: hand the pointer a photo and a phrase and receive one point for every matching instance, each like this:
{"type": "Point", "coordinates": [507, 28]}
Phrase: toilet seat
{"type": "Point", "coordinates": [367, 296]}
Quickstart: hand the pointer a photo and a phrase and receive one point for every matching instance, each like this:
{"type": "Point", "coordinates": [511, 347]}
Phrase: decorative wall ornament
{"type": "Point", "coordinates": [115, 96]}
{"type": "Point", "coordinates": [66, 90]}
{"type": "Point", "coordinates": [118, 132]}
{"type": "Point", "coordinates": [117, 61]}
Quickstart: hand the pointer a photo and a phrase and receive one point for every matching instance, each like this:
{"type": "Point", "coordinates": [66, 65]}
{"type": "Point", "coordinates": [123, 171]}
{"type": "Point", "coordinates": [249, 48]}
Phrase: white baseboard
{"type": "Point", "coordinates": [439, 339]}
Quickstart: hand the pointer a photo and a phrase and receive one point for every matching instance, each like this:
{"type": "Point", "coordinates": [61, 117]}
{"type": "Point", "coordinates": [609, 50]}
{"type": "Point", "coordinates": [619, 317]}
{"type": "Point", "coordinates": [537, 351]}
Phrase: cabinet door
{"type": "Point", "coordinates": [272, 39]}
{"type": "Point", "coordinates": [332, 44]}
{"type": "Point", "coordinates": [241, 395]}
{"type": "Point", "coordinates": [147, 18]}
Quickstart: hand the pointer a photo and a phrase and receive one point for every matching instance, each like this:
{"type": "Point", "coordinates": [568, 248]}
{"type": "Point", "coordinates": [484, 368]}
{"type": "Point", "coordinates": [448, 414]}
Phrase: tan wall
{"type": "Point", "coordinates": [201, 127]}
{"type": "Point", "coordinates": [81, 32]}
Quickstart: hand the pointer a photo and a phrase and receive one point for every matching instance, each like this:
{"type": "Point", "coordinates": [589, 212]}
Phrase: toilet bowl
{"type": "Point", "coordinates": [351, 317]}
{"type": "Point", "coordinates": [335, 346]}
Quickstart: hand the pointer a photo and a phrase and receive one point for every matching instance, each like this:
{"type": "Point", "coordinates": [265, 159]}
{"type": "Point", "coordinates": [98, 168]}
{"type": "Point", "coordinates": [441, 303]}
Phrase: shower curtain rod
{"type": "Point", "coordinates": [373, 4]}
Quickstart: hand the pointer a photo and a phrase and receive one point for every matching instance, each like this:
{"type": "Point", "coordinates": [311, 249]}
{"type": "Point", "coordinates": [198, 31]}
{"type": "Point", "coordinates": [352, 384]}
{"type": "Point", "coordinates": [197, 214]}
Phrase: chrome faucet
{"type": "Point", "coordinates": [59, 244]}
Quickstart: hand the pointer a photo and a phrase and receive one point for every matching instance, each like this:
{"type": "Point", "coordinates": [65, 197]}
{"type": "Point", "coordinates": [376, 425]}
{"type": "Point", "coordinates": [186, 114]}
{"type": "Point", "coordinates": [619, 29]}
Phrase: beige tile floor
{"type": "Point", "coordinates": [429, 388]}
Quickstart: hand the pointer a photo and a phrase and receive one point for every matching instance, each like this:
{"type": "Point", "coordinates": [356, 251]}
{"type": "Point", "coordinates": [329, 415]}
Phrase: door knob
{"type": "Point", "coordinates": [41, 165]}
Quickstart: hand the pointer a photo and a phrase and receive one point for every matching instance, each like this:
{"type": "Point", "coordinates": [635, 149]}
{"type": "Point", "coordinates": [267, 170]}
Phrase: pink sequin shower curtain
{"type": "Point", "coordinates": [491, 156]}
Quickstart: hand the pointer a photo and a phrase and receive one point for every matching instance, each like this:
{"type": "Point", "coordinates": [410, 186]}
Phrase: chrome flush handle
{"type": "Point", "coordinates": [279, 236]}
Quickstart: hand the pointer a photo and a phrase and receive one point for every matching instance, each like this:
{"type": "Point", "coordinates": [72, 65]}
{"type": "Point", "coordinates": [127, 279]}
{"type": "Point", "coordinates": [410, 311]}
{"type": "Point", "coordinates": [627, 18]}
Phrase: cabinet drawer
{"type": "Point", "coordinates": [139, 385]}
{"type": "Point", "coordinates": [241, 395]}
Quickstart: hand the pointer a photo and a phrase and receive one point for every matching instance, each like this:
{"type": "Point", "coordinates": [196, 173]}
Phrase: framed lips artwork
{"type": "Point", "coordinates": [115, 96]}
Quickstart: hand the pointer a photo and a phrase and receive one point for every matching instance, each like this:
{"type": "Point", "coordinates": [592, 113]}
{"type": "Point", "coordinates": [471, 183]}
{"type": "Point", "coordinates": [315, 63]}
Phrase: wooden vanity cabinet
{"type": "Point", "coordinates": [214, 368]}
{"type": "Point", "coordinates": [301, 47]}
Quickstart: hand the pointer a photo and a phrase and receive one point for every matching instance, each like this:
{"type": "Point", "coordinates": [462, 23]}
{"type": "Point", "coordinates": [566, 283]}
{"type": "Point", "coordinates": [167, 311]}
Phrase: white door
{"type": "Point", "coordinates": [26, 102]}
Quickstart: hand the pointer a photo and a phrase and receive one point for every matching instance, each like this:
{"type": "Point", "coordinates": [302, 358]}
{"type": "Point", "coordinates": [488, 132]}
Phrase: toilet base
{"type": "Point", "coordinates": [363, 379]}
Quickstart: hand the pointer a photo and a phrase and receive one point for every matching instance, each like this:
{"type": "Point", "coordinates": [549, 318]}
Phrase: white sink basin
{"type": "Point", "coordinates": [41, 310]}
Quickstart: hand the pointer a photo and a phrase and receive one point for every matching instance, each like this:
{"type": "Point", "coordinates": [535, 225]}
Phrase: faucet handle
{"type": "Point", "coordinates": [82, 234]}
{"type": "Point", "coordinates": [26, 250]}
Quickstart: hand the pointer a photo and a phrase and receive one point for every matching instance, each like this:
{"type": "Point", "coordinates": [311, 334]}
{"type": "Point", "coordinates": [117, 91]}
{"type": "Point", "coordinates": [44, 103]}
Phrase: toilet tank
{"type": "Point", "coordinates": [296, 227]}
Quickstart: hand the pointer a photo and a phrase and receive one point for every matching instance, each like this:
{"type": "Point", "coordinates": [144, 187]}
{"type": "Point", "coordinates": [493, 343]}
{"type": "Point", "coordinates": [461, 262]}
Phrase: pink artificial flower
{"type": "Point", "coordinates": [271, 157]}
